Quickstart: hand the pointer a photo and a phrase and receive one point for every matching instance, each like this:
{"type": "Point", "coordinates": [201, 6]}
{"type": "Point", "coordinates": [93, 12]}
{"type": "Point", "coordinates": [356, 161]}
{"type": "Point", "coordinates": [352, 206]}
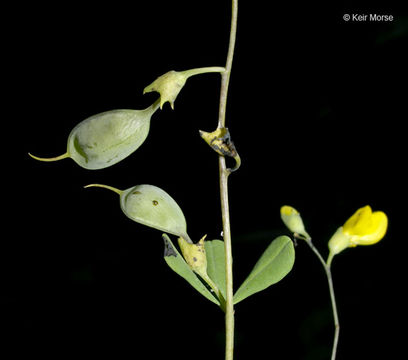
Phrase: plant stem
{"type": "Point", "coordinates": [152, 108]}
{"type": "Point", "coordinates": [229, 304]}
{"type": "Point", "coordinates": [309, 242]}
{"type": "Point", "coordinates": [203, 70]}
{"type": "Point", "coordinates": [327, 269]}
{"type": "Point", "coordinates": [224, 173]}
{"type": "Point", "coordinates": [226, 74]}
{"type": "Point", "coordinates": [335, 315]}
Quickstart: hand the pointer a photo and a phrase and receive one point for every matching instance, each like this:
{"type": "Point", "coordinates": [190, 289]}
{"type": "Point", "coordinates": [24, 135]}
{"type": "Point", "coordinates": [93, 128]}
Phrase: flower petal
{"type": "Point", "coordinates": [360, 223]}
{"type": "Point", "coordinates": [374, 232]}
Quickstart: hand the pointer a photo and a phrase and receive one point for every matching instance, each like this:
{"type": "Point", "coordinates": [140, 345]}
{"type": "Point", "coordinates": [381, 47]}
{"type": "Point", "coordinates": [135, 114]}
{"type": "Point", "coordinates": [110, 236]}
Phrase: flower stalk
{"type": "Point", "coordinates": [327, 269]}
{"type": "Point", "coordinates": [365, 227]}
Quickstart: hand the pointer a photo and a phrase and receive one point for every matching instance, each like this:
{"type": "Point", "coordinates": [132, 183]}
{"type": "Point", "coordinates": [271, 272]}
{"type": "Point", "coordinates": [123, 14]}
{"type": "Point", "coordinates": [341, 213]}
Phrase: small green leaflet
{"type": "Point", "coordinates": [274, 264]}
{"type": "Point", "coordinates": [176, 262]}
{"type": "Point", "coordinates": [216, 263]}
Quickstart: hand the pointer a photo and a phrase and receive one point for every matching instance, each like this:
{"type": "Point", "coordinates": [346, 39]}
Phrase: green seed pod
{"type": "Point", "coordinates": [105, 139]}
{"type": "Point", "coordinates": [153, 207]}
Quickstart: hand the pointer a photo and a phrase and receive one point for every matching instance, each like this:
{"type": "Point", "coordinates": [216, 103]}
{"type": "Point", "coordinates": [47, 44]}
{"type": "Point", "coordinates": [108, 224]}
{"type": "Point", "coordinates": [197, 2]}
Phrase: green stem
{"type": "Point", "coordinates": [309, 242]}
{"type": "Point", "coordinates": [223, 174]}
{"type": "Point", "coordinates": [335, 314]}
{"type": "Point", "coordinates": [203, 70]}
{"type": "Point", "coordinates": [152, 108]}
{"type": "Point", "coordinates": [327, 269]}
{"type": "Point", "coordinates": [214, 288]}
{"type": "Point", "coordinates": [330, 259]}
{"type": "Point", "coordinates": [225, 77]}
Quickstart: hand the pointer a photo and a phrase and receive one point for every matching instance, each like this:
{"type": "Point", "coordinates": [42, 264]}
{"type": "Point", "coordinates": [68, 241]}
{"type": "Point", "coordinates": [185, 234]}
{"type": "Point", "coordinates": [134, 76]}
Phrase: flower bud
{"type": "Point", "coordinates": [291, 218]}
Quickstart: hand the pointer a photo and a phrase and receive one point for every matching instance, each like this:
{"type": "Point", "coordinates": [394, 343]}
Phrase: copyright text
{"type": "Point", "coordinates": [368, 17]}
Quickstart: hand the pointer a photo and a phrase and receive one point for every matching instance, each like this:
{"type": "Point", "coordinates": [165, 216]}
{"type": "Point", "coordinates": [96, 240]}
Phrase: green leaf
{"type": "Point", "coordinates": [216, 263]}
{"type": "Point", "coordinates": [178, 265]}
{"type": "Point", "coordinates": [274, 264]}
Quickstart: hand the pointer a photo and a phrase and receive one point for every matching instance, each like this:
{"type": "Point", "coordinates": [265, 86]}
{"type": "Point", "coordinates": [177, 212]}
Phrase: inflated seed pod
{"type": "Point", "coordinates": [151, 206]}
{"type": "Point", "coordinates": [105, 139]}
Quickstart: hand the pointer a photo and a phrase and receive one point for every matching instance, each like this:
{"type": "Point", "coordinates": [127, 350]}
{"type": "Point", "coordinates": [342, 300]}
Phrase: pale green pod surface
{"type": "Point", "coordinates": [152, 206]}
{"type": "Point", "coordinates": [105, 139]}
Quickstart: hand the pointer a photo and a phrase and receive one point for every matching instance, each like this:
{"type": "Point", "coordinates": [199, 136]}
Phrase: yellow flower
{"type": "Point", "coordinates": [291, 218]}
{"type": "Point", "coordinates": [365, 227]}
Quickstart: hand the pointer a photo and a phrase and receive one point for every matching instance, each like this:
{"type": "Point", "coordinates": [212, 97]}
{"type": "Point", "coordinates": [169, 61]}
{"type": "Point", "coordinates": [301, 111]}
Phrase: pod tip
{"type": "Point", "coordinates": [117, 191]}
{"type": "Point", "coordinates": [56, 158]}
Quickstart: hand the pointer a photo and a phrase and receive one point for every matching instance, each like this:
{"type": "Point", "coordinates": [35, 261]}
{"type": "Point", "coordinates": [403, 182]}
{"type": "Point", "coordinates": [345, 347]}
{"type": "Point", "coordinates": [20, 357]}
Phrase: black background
{"type": "Point", "coordinates": [316, 109]}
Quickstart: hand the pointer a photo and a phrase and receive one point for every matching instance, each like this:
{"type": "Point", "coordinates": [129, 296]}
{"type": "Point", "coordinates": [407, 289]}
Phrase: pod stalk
{"type": "Point", "coordinates": [203, 70]}
{"type": "Point", "coordinates": [152, 108]}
